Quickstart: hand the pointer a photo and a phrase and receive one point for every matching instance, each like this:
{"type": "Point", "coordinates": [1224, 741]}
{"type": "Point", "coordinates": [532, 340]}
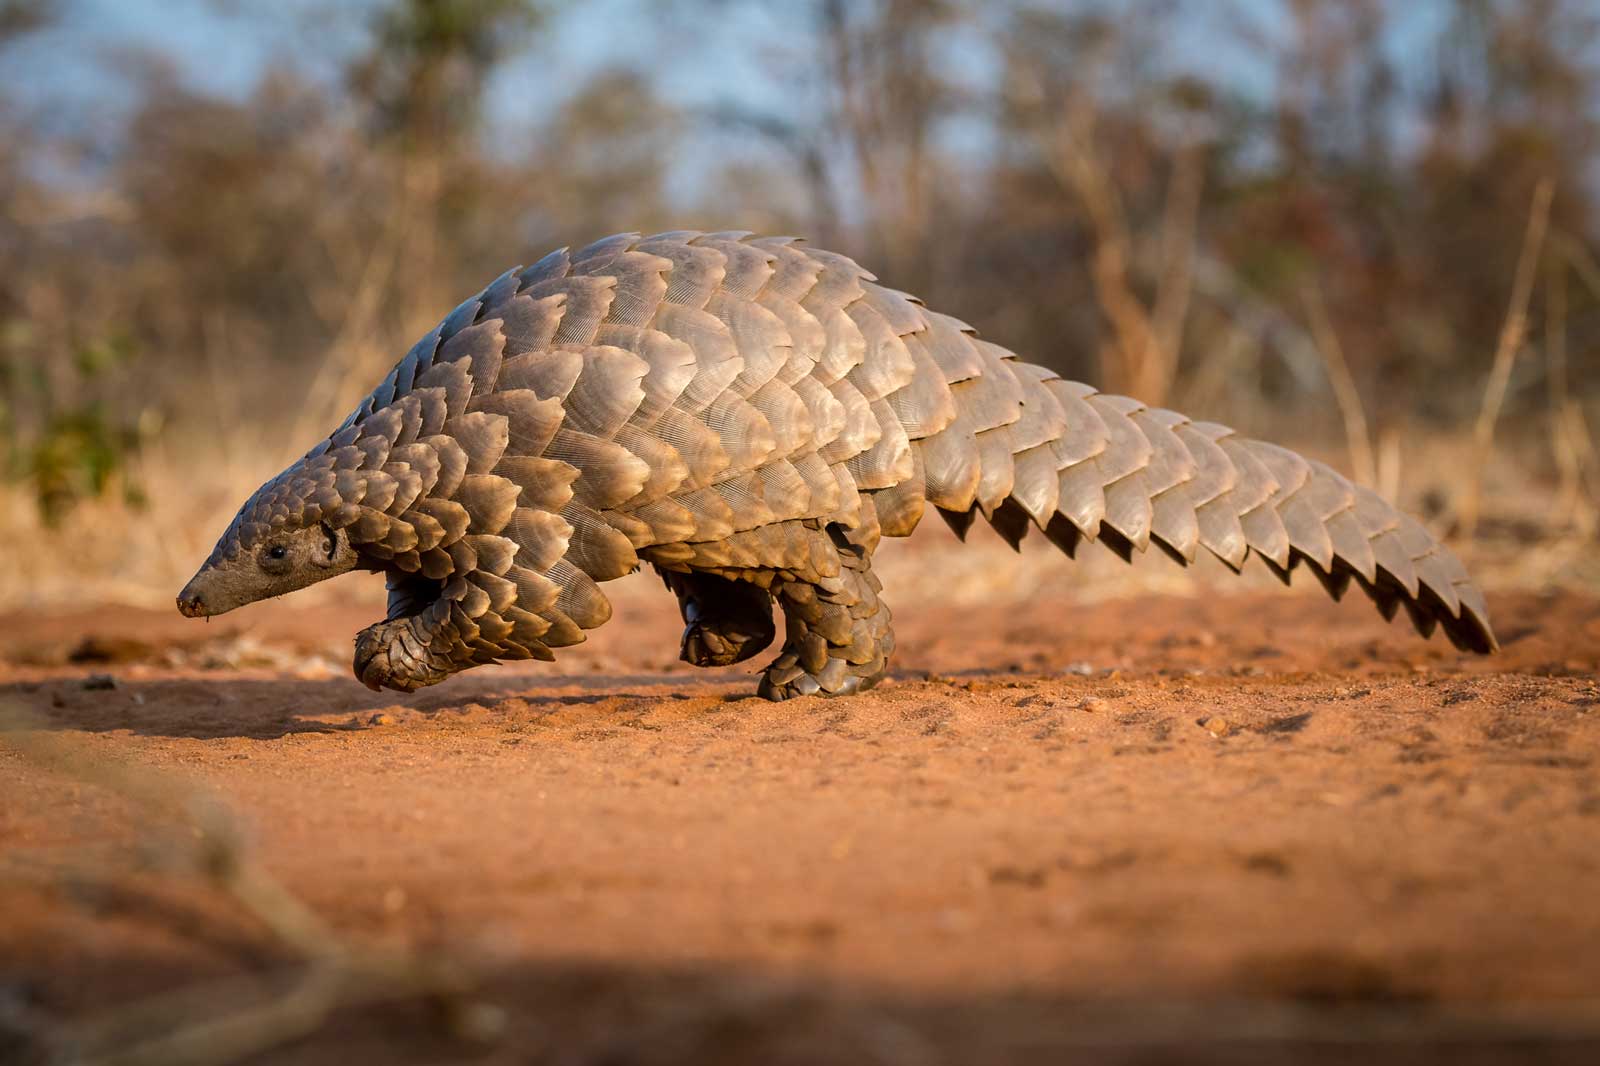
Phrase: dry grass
{"type": "Point", "coordinates": [1363, 465]}
{"type": "Point", "coordinates": [1512, 335]}
{"type": "Point", "coordinates": [1146, 337]}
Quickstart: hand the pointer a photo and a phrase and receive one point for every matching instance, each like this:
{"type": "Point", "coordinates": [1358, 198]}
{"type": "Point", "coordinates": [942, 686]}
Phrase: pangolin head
{"type": "Point", "coordinates": [281, 540]}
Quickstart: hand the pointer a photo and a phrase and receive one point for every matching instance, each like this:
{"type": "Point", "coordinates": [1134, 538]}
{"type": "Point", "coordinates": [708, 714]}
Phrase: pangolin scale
{"type": "Point", "coordinates": [750, 415]}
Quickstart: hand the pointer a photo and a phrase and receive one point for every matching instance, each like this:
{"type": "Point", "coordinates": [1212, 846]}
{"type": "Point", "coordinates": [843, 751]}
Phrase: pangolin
{"type": "Point", "coordinates": [750, 415]}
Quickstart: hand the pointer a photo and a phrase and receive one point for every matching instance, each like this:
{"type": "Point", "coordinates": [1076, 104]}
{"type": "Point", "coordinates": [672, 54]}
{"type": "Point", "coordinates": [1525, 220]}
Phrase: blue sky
{"type": "Point", "coordinates": [73, 74]}
{"type": "Point", "coordinates": [223, 46]}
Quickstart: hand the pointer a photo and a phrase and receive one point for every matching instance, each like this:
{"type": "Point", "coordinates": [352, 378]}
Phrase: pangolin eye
{"type": "Point", "coordinates": [277, 551]}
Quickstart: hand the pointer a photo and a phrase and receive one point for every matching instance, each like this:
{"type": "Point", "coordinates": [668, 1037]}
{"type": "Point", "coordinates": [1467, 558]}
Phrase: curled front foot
{"type": "Point", "coordinates": [725, 622]}
{"type": "Point", "coordinates": [394, 655]}
{"type": "Point", "coordinates": [717, 634]}
{"type": "Point", "coordinates": [707, 643]}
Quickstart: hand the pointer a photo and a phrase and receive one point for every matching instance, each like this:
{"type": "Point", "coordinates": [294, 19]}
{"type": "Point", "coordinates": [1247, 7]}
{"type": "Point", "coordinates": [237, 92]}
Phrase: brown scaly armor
{"type": "Point", "coordinates": [750, 416]}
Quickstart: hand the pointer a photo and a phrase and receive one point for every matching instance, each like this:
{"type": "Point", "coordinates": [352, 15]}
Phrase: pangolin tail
{"type": "Point", "coordinates": [1084, 466]}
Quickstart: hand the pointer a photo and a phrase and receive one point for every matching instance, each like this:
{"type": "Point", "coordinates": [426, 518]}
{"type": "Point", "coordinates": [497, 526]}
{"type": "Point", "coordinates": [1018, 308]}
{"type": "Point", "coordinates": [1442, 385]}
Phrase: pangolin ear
{"type": "Point", "coordinates": [330, 543]}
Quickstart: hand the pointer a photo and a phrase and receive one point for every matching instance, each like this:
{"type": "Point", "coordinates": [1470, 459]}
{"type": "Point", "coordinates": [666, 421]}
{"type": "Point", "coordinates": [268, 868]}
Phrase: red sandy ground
{"type": "Point", "coordinates": [1247, 828]}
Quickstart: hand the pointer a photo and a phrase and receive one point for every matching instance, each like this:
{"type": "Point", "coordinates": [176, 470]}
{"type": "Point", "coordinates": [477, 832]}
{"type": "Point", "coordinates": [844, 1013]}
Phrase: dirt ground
{"type": "Point", "coordinates": [1177, 826]}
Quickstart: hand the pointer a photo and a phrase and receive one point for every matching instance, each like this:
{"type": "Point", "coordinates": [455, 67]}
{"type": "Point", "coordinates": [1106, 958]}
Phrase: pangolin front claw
{"type": "Point", "coordinates": [725, 622]}
{"type": "Point", "coordinates": [706, 643]}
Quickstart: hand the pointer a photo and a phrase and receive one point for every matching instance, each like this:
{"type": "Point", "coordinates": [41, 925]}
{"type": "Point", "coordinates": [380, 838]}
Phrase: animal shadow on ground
{"type": "Point", "coordinates": [212, 708]}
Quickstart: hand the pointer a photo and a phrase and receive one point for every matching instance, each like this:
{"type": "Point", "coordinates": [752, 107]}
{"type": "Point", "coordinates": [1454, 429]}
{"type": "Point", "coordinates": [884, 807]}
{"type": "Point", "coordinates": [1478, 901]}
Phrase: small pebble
{"type": "Point", "coordinates": [381, 719]}
{"type": "Point", "coordinates": [1093, 705]}
{"type": "Point", "coordinates": [1217, 726]}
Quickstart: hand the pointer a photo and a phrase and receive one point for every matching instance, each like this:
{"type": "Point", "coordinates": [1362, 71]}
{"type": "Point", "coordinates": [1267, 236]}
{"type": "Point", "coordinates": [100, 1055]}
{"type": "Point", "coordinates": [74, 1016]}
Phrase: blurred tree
{"type": "Point", "coordinates": [19, 17]}
{"type": "Point", "coordinates": [1124, 174]}
{"type": "Point", "coordinates": [60, 433]}
{"type": "Point", "coordinates": [887, 94]}
{"type": "Point", "coordinates": [421, 83]}
{"type": "Point", "coordinates": [869, 88]}
{"type": "Point", "coordinates": [604, 157]}
{"type": "Point", "coordinates": [429, 61]}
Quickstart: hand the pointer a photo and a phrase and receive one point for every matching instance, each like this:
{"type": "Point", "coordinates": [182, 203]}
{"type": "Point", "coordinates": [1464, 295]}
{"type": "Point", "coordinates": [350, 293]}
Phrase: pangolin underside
{"type": "Point", "coordinates": [749, 416]}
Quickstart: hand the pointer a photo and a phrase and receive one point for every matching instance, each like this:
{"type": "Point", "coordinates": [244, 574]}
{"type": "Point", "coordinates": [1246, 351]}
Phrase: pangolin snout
{"type": "Point", "coordinates": [191, 601]}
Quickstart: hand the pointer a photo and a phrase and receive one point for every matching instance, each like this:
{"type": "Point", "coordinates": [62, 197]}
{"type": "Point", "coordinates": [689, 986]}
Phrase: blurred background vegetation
{"type": "Point", "coordinates": [221, 221]}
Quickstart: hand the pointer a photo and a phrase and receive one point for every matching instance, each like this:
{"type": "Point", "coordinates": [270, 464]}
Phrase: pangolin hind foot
{"type": "Point", "coordinates": [750, 416]}
{"type": "Point", "coordinates": [837, 630]}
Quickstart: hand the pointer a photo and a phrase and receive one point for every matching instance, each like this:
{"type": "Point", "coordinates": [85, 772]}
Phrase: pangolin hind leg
{"type": "Point", "coordinates": [838, 634]}
{"type": "Point", "coordinates": [725, 621]}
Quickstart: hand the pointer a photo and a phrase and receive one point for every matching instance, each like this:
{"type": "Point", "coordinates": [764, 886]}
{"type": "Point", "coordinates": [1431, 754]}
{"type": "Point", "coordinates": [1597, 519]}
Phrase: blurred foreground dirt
{"type": "Point", "coordinates": [1244, 827]}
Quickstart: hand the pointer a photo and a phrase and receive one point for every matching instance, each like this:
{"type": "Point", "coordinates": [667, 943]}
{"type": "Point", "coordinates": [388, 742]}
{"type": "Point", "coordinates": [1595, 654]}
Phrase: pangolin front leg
{"type": "Point", "coordinates": [724, 621]}
{"type": "Point", "coordinates": [839, 636]}
{"type": "Point", "coordinates": [422, 642]}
